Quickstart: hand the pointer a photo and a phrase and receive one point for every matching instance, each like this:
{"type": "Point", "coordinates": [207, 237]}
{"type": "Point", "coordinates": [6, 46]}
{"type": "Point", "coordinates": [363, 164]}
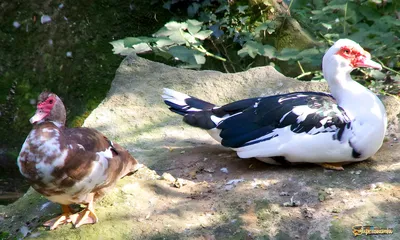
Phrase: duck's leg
{"type": "Point", "coordinates": [333, 166]}
{"type": "Point", "coordinates": [60, 220]}
{"type": "Point", "coordinates": [86, 216]}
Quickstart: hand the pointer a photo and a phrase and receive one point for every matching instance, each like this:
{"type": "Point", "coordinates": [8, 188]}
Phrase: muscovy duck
{"type": "Point", "coordinates": [70, 165]}
{"type": "Point", "coordinates": [345, 126]}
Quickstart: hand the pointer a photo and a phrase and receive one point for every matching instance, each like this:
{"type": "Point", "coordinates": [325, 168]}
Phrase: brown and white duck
{"type": "Point", "coordinates": [70, 165]}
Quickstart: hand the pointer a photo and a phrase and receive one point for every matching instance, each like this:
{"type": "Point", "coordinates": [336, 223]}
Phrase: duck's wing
{"type": "Point", "coordinates": [304, 112]}
{"type": "Point", "coordinates": [93, 161]}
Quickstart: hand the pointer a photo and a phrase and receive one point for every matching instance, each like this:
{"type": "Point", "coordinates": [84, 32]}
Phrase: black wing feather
{"type": "Point", "coordinates": [258, 117]}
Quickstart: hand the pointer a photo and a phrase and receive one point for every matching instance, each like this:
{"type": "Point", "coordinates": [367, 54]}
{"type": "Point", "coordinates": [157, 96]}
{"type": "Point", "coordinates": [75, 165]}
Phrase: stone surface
{"type": "Point", "coordinates": [243, 202]}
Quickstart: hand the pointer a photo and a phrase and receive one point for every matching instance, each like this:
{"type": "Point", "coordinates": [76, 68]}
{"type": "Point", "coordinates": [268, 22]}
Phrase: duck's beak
{"type": "Point", "coordinates": [39, 115]}
{"type": "Point", "coordinates": [365, 61]}
{"type": "Point", "coordinates": [368, 63]}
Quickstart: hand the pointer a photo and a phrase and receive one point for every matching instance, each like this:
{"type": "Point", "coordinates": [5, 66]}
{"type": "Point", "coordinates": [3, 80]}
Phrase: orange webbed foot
{"type": "Point", "coordinates": [333, 166]}
{"type": "Point", "coordinates": [60, 220]}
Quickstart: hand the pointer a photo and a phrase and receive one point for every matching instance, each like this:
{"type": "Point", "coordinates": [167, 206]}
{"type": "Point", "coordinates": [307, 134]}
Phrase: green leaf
{"type": "Point", "coordinates": [175, 25]}
{"type": "Point", "coordinates": [378, 74]}
{"type": "Point", "coordinates": [251, 48]}
{"type": "Point", "coordinates": [268, 26]}
{"type": "Point", "coordinates": [390, 20]}
{"type": "Point", "coordinates": [200, 59]}
{"type": "Point", "coordinates": [287, 54]}
{"type": "Point", "coordinates": [164, 54]}
{"type": "Point", "coordinates": [203, 34]}
{"type": "Point", "coordinates": [177, 37]}
{"type": "Point", "coordinates": [332, 36]}
{"type": "Point", "coordinates": [141, 48]}
{"type": "Point", "coordinates": [119, 48]}
{"type": "Point", "coordinates": [222, 8]}
{"type": "Point", "coordinates": [163, 32]}
{"type": "Point", "coordinates": [163, 42]}
{"type": "Point", "coordinates": [327, 25]}
{"type": "Point", "coordinates": [369, 13]}
{"type": "Point", "coordinates": [341, 7]}
{"type": "Point", "coordinates": [170, 28]}
{"type": "Point", "coordinates": [264, 26]}
{"type": "Point", "coordinates": [193, 26]}
{"type": "Point", "coordinates": [190, 38]}
{"type": "Point", "coordinates": [309, 53]}
{"type": "Point", "coordinates": [130, 41]}
{"type": "Point", "coordinates": [242, 9]}
{"type": "Point", "coordinates": [317, 12]}
{"type": "Point", "coordinates": [268, 51]}
{"type": "Point", "coordinates": [193, 9]}
{"type": "Point", "coordinates": [187, 55]}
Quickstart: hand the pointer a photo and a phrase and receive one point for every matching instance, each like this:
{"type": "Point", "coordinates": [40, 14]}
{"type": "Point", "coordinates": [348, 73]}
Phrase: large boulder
{"type": "Point", "coordinates": [212, 194]}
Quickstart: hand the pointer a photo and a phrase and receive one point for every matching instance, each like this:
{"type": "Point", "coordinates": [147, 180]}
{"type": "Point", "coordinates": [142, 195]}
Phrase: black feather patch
{"type": "Point", "coordinates": [198, 103]}
{"type": "Point", "coordinates": [304, 112]}
{"type": "Point", "coordinates": [111, 145]}
{"type": "Point", "coordinates": [200, 119]}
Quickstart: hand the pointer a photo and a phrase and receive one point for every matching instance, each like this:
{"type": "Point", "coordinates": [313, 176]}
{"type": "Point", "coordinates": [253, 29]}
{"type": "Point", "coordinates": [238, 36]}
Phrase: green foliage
{"type": "Point", "coordinates": [4, 235]}
{"type": "Point", "coordinates": [176, 40]}
{"type": "Point", "coordinates": [243, 32]}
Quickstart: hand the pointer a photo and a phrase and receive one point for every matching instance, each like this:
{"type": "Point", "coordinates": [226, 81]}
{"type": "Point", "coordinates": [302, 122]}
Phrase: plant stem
{"type": "Point", "coordinates": [304, 74]}
{"type": "Point", "coordinates": [387, 68]}
{"type": "Point", "coordinates": [301, 68]}
{"type": "Point", "coordinates": [223, 63]}
{"type": "Point", "coordinates": [344, 22]}
{"type": "Point", "coordinates": [290, 5]}
{"type": "Point", "coordinates": [201, 48]}
{"type": "Point", "coordinates": [229, 59]}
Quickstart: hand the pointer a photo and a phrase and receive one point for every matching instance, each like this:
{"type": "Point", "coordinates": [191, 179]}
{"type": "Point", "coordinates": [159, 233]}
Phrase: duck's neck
{"type": "Point", "coordinates": [354, 98]}
{"type": "Point", "coordinates": [341, 84]}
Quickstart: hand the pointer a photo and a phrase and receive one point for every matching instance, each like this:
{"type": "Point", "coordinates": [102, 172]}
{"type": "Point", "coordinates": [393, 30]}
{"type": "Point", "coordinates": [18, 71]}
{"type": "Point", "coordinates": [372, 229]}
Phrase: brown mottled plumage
{"type": "Point", "coordinates": [70, 165]}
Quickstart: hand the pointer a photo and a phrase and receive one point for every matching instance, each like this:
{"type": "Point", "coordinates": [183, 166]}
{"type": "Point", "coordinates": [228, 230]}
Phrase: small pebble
{"type": "Point", "coordinates": [16, 24]}
{"type": "Point", "coordinates": [45, 19]}
{"type": "Point", "coordinates": [168, 177]}
{"type": "Point", "coordinates": [179, 183]}
{"type": "Point", "coordinates": [358, 172]}
{"type": "Point", "coordinates": [69, 54]}
{"type": "Point", "coordinates": [61, 6]}
{"type": "Point", "coordinates": [224, 170]}
{"type": "Point", "coordinates": [234, 181]}
{"type": "Point", "coordinates": [283, 194]}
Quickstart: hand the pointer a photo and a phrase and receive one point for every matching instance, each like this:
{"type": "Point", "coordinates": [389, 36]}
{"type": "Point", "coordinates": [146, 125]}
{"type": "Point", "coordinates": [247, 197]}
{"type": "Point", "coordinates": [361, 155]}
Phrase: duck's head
{"type": "Point", "coordinates": [344, 56]}
{"type": "Point", "coordinates": [49, 108]}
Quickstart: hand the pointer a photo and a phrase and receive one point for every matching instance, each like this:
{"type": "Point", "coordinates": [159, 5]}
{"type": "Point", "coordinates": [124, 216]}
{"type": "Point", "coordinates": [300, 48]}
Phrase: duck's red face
{"type": "Point", "coordinates": [358, 57]}
{"type": "Point", "coordinates": [43, 109]}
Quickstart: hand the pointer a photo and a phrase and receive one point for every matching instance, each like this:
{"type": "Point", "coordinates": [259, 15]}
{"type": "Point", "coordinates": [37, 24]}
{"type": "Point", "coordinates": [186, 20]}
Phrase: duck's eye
{"type": "Point", "coordinates": [51, 101]}
{"type": "Point", "coordinates": [347, 51]}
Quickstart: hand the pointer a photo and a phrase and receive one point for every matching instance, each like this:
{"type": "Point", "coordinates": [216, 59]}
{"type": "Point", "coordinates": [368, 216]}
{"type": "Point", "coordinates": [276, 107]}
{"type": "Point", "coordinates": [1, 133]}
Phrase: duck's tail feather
{"type": "Point", "coordinates": [196, 112]}
{"type": "Point", "coordinates": [183, 104]}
